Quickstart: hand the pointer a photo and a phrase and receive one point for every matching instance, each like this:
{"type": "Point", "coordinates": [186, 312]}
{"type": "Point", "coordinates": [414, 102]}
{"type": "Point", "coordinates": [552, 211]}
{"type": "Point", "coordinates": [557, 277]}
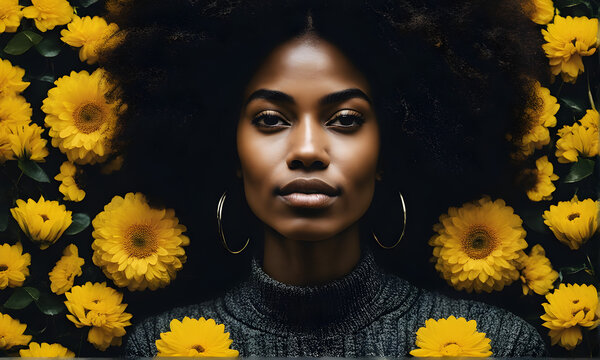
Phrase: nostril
{"type": "Point", "coordinates": [317, 164]}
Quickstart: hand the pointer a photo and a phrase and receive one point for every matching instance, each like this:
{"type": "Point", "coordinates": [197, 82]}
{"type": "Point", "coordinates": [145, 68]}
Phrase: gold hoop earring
{"type": "Point", "coordinates": [220, 225]}
{"type": "Point", "coordinates": [403, 227]}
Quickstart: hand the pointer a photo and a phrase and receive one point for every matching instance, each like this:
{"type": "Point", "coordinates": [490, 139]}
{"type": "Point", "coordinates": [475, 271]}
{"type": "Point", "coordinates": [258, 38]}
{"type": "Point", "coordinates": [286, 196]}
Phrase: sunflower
{"type": "Point", "coordinates": [568, 39]}
{"type": "Point", "coordinates": [66, 269]}
{"type": "Point", "coordinates": [47, 14]}
{"type": "Point", "coordinates": [14, 265]}
{"type": "Point", "coordinates": [451, 337]}
{"type": "Point", "coordinates": [537, 273]}
{"type": "Point", "coordinates": [538, 182]}
{"type": "Point", "coordinates": [573, 222]}
{"type": "Point", "coordinates": [138, 246]}
{"type": "Point", "coordinates": [69, 187]}
{"type": "Point", "coordinates": [14, 109]}
{"type": "Point", "coordinates": [26, 141]}
{"type": "Point", "coordinates": [11, 332]}
{"type": "Point", "coordinates": [195, 338]}
{"type": "Point", "coordinates": [100, 308]}
{"type": "Point", "coordinates": [578, 140]}
{"type": "Point", "coordinates": [477, 246]}
{"type": "Point", "coordinates": [10, 15]}
{"type": "Point", "coordinates": [539, 11]}
{"type": "Point", "coordinates": [11, 82]}
{"type": "Point", "coordinates": [81, 120]}
{"type": "Point", "coordinates": [44, 350]}
{"type": "Point", "coordinates": [89, 34]}
{"type": "Point", "coordinates": [43, 221]}
{"type": "Point", "coordinates": [569, 308]}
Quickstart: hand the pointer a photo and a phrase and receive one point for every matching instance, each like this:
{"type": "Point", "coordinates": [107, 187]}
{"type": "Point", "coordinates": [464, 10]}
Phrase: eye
{"type": "Point", "coordinates": [347, 119]}
{"type": "Point", "coordinates": [268, 119]}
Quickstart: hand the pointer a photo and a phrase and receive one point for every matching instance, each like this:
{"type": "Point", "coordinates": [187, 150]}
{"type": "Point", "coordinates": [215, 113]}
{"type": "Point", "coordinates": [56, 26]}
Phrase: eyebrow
{"type": "Point", "coordinates": [278, 96]}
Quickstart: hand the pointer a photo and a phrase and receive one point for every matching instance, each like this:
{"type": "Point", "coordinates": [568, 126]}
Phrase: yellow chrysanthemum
{"type": "Point", "coordinates": [81, 120]}
{"type": "Point", "coordinates": [569, 308]}
{"type": "Point", "coordinates": [538, 181]}
{"type": "Point", "coordinates": [537, 273]}
{"type": "Point", "coordinates": [477, 246]}
{"type": "Point", "coordinates": [573, 222]}
{"type": "Point", "coordinates": [26, 141]}
{"type": "Point", "coordinates": [579, 140]}
{"type": "Point", "coordinates": [69, 187]}
{"type": "Point", "coordinates": [14, 265]}
{"type": "Point", "coordinates": [99, 307]}
{"type": "Point", "coordinates": [539, 11]}
{"type": "Point", "coordinates": [89, 34]}
{"type": "Point", "coordinates": [10, 15]}
{"type": "Point", "coordinates": [43, 221]}
{"type": "Point", "coordinates": [66, 269]}
{"type": "Point", "coordinates": [195, 338]}
{"type": "Point", "coordinates": [11, 332]}
{"type": "Point", "coordinates": [451, 337]}
{"type": "Point", "coordinates": [46, 350]}
{"type": "Point", "coordinates": [568, 39]}
{"type": "Point", "coordinates": [11, 82]}
{"type": "Point", "coordinates": [6, 152]}
{"type": "Point", "coordinates": [15, 109]}
{"type": "Point", "coordinates": [48, 14]}
{"type": "Point", "coordinates": [138, 246]}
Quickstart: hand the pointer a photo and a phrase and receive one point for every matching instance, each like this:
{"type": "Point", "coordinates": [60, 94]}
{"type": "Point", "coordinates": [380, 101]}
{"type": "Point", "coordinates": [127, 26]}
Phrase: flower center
{"type": "Point", "coordinates": [142, 241]}
{"type": "Point", "coordinates": [198, 348]}
{"type": "Point", "coordinates": [44, 217]}
{"type": "Point", "coordinates": [478, 243]}
{"type": "Point", "coordinates": [3, 267]}
{"type": "Point", "coordinates": [451, 349]}
{"type": "Point", "coordinates": [573, 216]}
{"type": "Point", "coordinates": [88, 118]}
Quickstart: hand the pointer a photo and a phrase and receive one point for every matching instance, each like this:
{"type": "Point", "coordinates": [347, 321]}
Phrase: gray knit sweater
{"type": "Point", "coordinates": [365, 313]}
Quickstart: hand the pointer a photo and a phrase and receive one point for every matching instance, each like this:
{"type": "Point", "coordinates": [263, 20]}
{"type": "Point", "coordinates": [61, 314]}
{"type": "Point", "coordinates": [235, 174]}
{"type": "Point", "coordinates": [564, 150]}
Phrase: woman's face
{"type": "Point", "coordinates": [308, 115]}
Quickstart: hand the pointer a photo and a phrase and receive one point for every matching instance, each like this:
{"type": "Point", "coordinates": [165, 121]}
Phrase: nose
{"type": "Point", "coordinates": [308, 145]}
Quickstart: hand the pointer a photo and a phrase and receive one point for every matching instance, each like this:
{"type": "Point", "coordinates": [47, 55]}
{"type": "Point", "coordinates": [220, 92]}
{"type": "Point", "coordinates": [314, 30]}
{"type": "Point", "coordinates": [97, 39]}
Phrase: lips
{"type": "Point", "coordinates": [308, 186]}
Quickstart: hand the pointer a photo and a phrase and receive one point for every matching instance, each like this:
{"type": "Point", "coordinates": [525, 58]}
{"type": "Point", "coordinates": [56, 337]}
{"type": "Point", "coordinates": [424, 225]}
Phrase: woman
{"type": "Point", "coordinates": [300, 110]}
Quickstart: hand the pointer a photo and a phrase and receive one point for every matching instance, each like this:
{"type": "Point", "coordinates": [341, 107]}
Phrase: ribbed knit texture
{"type": "Point", "coordinates": [365, 313]}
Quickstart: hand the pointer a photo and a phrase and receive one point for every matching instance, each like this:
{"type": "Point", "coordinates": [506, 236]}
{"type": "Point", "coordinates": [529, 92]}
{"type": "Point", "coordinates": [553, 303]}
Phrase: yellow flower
{"type": "Point", "coordinates": [46, 350]}
{"type": "Point", "coordinates": [10, 15]}
{"type": "Point", "coordinates": [14, 265]}
{"type": "Point", "coordinates": [568, 39]}
{"type": "Point", "coordinates": [451, 337]}
{"type": "Point", "coordinates": [49, 13]}
{"type": "Point", "coordinates": [539, 11]}
{"type": "Point", "coordinates": [11, 82]}
{"type": "Point", "coordinates": [89, 34]}
{"type": "Point", "coordinates": [538, 182]}
{"type": "Point", "coordinates": [537, 274]}
{"type": "Point", "coordinates": [66, 269]}
{"type": "Point", "coordinates": [195, 338]}
{"type": "Point", "coordinates": [11, 332]}
{"type": "Point", "coordinates": [81, 120]}
{"type": "Point", "coordinates": [69, 187]}
{"type": "Point", "coordinates": [43, 221]}
{"type": "Point", "coordinates": [14, 109]}
{"type": "Point", "coordinates": [138, 246]}
{"type": "Point", "coordinates": [99, 307]}
{"type": "Point", "coordinates": [113, 165]}
{"type": "Point", "coordinates": [580, 139]}
{"type": "Point", "coordinates": [573, 222]}
{"type": "Point", "coordinates": [26, 142]}
{"type": "Point", "coordinates": [477, 246]}
{"type": "Point", "coordinates": [569, 308]}
{"type": "Point", "coordinates": [6, 152]}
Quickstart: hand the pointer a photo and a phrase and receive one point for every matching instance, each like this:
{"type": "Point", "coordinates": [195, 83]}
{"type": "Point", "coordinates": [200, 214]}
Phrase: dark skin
{"type": "Point", "coordinates": [293, 134]}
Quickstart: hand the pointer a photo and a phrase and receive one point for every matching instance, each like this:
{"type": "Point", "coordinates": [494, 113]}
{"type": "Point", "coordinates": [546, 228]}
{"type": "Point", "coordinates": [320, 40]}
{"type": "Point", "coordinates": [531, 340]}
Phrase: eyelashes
{"type": "Point", "coordinates": [347, 120]}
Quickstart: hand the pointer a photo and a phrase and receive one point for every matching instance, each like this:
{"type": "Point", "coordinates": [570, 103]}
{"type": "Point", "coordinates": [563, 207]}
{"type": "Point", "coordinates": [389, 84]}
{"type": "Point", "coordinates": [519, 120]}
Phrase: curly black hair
{"type": "Point", "coordinates": [450, 78]}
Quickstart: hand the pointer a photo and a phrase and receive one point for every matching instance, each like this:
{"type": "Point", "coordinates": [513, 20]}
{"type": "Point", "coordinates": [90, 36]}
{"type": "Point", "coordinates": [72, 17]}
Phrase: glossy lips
{"type": "Point", "coordinates": [308, 193]}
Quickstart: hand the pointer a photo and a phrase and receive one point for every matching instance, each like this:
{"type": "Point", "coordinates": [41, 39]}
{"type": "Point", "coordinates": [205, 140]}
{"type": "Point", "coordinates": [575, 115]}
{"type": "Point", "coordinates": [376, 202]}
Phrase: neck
{"type": "Point", "coordinates": [307, 263]}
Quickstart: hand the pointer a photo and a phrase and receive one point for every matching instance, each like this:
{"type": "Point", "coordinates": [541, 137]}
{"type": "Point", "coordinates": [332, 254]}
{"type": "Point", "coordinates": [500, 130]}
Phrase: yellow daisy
{"type": "Point", "coordinates": [195, 338]}
{"type": "Point", "coordinates": [43, 221]}
{"type": "Point", "coordinates": [477, 246]}
{"type": "Point", "coordinates": [100, 308]}
{"type": "Point", "coordinates": [81, 120]}
{"type": "Point", "coordinates": [573, 222]}
{"type": "Point", "coordinates": [26, 142]}
{"type": "Point", "coordinates": [539, 11]}
{"type": "Point", "coordinates": [138, 246]}
{"type": "Point", "coordinates": [537, 273]}
{"type": "Point", "coordinates": [568, 39]}
{"type": "Point", "coordinates": [69, 187]}
{"type": "Point", "coordinates": [15, 109]}
{"type": "Point", "coordinates": [11, 79]}
{"type": "Point", "coordinates": [451, 337]}
{"type": "Point", "coordinates": [538, 182]}
{"type": "Point", "coordinates": [569, 308]}
{"type": "Point", "coordinates": [46, 350]}
{"type": "Point", "coordinates": [579, 140]}
{"type": "Point", "coordinates": [11, 332]}
{"type": "Point", "coordinates": [66, 269]}
{"type": "Point", "coordinates": [48, 14]}
{"type": "Point", "coordinates": [6, 152]}
{"type": "Point", "coordinates": [89, 34]}
{"type": "Point", "coordinates": [14, 265]}
{"type": "Point", "coordinates": [10, 15]}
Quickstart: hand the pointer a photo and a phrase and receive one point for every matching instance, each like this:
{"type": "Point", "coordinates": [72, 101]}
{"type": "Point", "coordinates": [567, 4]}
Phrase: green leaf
{"type": "Point", "coordinates": [80, 222]}
{"type": "Point", "coordinates": [22, 42]}
{"type": "Point", "coordinates": [535, 222]}
{"type": "Point", "coordinates": [33, 170]}
{"type": "Point", "coordinates": [50, 46]}
{"type": "Point", "coordinates": [86, 3]}
{"type": "Point", "coordinates": [50, 305]}
{"type": "Point", "coordinates": [21, 298]}
{"type": "Point", "coordinates": [579, 171]}
{"type": "Point", "coordinates": [568, 270]}
{"type": "Point", "coordinates": [575, 105]}
{"type": "Point", "coordinates": [47, 78]}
